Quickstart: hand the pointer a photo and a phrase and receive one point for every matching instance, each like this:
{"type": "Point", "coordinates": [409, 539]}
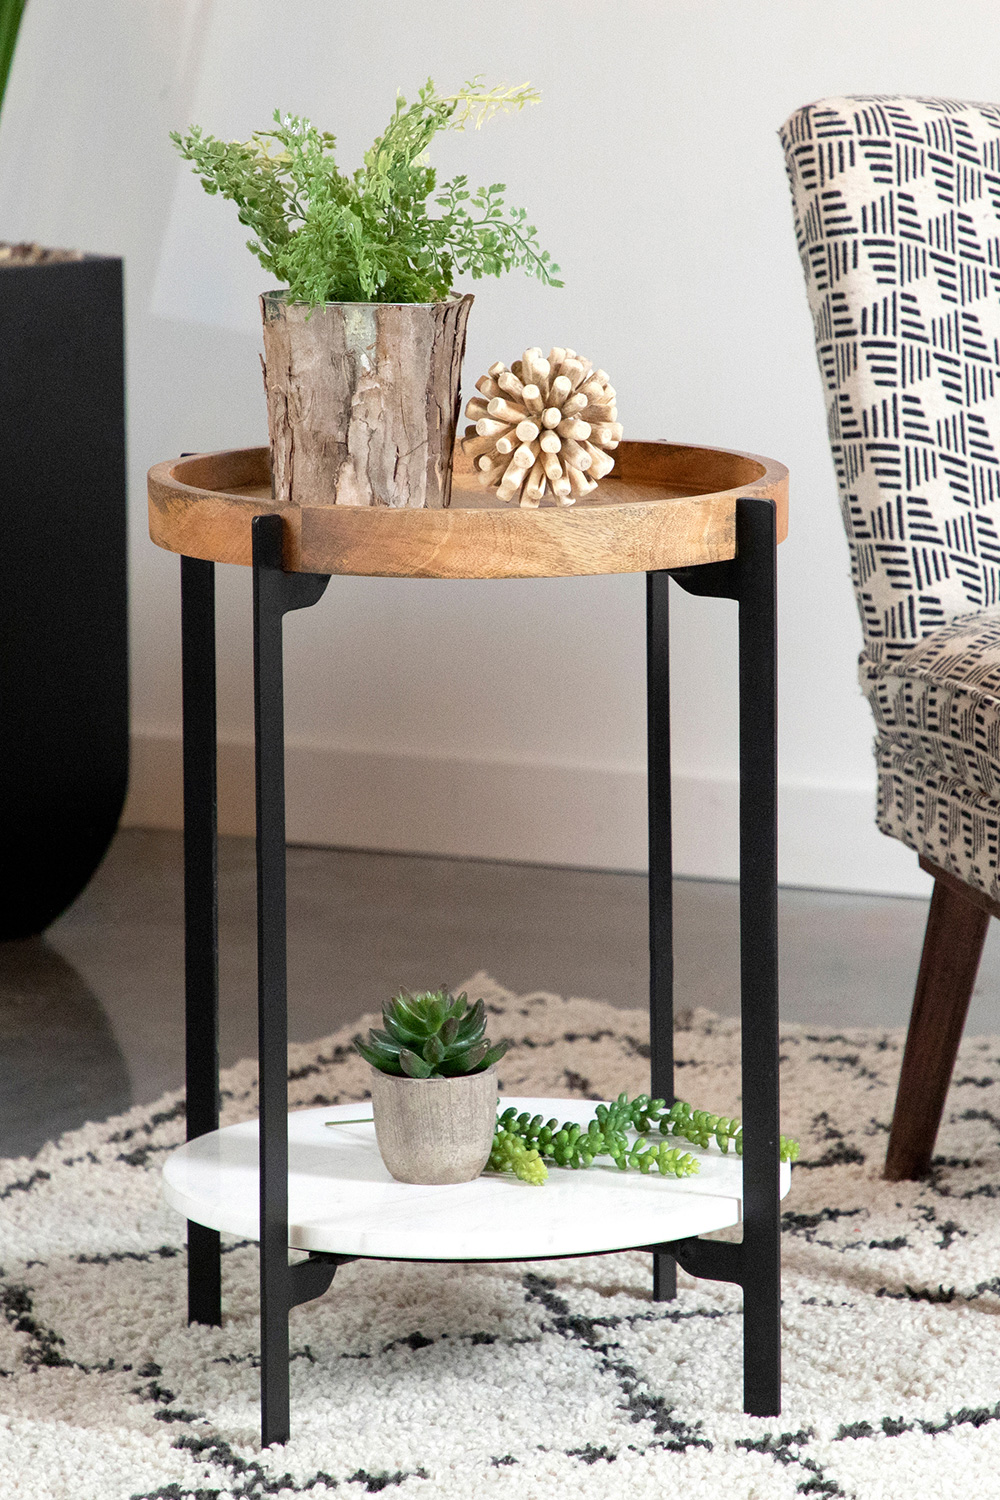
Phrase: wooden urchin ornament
{"type": "Point", "coordinates": [543, 427]}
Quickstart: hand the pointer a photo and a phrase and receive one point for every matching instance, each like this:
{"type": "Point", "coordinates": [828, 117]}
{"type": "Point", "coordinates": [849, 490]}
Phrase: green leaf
{"type": "Point", "coordinates": [473, 1056]}
{"type": "Point", "coordinates": [384, 1039]}
{"type": "Point", "coordinates": [434, 1052]}
{"type": "Point", "coordinates": [414, 1066]}
{"type": "Point", "coordinates": [493, 1055]}
{"type": "Point", "coordinates": [473, 1023]}
{"type": "Point", "coordinates": [404, 1031]}
{"type": "Point", "coordinates": [405, 1013]}
{"type": "Point", "coordinates": [385, 1062]}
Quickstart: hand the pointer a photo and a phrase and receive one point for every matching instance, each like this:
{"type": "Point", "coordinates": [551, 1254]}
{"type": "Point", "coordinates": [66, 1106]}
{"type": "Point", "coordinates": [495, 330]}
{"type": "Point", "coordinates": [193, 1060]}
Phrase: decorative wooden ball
{"type": "Point", "coordinates": [543, 427]}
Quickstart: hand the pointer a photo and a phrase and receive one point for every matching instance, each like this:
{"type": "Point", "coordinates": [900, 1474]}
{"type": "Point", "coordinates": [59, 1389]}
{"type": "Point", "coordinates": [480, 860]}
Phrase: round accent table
{"type": "Point", "coordinates": [708, 518]}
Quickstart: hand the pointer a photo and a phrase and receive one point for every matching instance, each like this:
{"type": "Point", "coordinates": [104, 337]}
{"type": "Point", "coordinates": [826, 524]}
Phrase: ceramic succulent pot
{"type": "Point", "coordinates": [435, 1130]}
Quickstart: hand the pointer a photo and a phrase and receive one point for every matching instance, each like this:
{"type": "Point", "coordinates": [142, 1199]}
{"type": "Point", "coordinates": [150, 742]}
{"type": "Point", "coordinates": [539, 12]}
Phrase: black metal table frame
{"type": "Point", "coordinates": [754, 1263]}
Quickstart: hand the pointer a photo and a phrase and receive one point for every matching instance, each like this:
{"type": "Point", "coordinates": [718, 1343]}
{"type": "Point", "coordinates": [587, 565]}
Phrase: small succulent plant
{"type": "Point", "coordinates": [431, 1035]}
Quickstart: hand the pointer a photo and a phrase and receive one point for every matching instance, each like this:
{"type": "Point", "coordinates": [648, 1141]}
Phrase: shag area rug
{"type": "Point", "coordinates": [523, 1382]}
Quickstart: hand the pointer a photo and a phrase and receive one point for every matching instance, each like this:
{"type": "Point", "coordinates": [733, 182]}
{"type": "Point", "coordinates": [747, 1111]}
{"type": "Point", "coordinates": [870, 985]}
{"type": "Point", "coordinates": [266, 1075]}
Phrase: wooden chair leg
{"type": "Point", "coordinates": [953, 945]}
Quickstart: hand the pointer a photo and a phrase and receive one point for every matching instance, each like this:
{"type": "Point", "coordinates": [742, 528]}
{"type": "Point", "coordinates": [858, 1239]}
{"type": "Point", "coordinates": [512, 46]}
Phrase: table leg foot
{"type": "Point", "coordinates": [664, 1277]}
{"type": "Point", "coordinates": [302, 1282]}
{"type": "Point", "coordinates": [761, 1348]}
{"type": "Point", "coordinates": [204, 1275]}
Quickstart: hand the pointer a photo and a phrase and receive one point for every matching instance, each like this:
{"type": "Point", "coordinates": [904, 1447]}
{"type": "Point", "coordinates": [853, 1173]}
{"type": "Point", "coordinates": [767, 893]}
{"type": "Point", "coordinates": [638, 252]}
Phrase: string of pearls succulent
{"type": "Point", "coordinates": [543, 427]}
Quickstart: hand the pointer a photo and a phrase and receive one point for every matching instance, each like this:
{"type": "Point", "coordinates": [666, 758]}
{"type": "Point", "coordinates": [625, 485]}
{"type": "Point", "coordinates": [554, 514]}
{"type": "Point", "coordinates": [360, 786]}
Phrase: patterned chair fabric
{"type": "Point", "coordinates": [897, 216]}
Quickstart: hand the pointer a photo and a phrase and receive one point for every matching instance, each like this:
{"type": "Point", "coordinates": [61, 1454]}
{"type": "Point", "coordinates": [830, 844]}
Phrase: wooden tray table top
{"type": "Point", "coordinates": [664, 505]}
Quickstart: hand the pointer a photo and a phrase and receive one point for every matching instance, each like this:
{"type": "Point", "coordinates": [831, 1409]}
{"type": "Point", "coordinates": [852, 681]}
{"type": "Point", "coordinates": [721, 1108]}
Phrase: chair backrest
{"type": "Point", "coordinates": [897, 214]}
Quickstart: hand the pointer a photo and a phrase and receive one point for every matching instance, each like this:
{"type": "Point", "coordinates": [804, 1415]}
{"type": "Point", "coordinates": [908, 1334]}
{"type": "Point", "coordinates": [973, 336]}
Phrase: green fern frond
{"type": "Point", "coordinates": [370, 237]}
{"type": "Point", "coordinates": [480, 104]}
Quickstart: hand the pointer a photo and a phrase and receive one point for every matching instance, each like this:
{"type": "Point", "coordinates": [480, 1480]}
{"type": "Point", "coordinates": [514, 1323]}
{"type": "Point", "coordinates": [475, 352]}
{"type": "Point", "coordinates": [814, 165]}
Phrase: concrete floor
{"type": "Point", "coordinates": [91, 1015]}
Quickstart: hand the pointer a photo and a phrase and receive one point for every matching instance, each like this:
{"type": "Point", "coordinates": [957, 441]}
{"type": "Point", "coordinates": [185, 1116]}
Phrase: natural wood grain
{"type": "Point", "coordinates": [362, 400]}
{"type": "Point", "coordinates": [953, 944]}
{"type": "Point", "coordinates": [665, 505]}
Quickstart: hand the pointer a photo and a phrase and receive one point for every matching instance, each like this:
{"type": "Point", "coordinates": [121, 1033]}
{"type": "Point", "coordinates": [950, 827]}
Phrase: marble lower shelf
{"type": "Point", "coordinates": [341, 1199]}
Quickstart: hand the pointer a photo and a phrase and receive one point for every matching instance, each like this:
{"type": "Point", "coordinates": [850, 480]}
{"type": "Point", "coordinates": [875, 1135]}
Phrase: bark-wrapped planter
{"type": "Point", "coordinates": [363, 400]}
{"type": "Point", "coordinates": [435, 1130]}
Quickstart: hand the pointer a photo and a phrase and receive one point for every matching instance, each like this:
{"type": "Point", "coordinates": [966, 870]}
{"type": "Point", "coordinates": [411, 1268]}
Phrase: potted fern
{"type": "Point", "coordinates": [363, 349]}
{"type": "Point", "coordinates": [434, 1086]}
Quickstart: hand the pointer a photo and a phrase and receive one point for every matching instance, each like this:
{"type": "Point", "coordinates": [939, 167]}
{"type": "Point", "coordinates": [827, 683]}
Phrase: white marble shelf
{"type": "Point", "coordinates": [341, 1198]}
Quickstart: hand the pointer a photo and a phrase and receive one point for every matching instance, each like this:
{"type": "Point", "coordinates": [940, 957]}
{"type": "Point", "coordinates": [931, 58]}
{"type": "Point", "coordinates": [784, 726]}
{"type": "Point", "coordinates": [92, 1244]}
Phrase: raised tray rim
{"type": "Point", "coordinates": [465, 542]}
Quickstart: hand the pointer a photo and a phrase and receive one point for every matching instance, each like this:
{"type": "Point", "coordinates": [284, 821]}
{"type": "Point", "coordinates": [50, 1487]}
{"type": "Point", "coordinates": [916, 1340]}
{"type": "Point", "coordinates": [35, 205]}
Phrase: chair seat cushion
{"type": "Point", "coordinates": [937, 747]}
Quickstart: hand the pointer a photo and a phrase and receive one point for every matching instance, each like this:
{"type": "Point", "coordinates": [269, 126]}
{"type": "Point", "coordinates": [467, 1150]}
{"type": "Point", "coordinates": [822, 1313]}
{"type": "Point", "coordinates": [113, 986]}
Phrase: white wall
{"type": "Point", "coordinates": [500, 719]}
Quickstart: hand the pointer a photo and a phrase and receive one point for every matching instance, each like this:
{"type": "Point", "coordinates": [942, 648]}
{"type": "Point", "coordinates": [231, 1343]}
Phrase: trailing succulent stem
{"type": "Point", "coordinates": [511, 1154]}
{"type": "Point", "coordinates": [369, 236]}
{"type": "Point", "coordinates": [431, 1035]}
{"type": "Point", "coordinates": [523, 1144]}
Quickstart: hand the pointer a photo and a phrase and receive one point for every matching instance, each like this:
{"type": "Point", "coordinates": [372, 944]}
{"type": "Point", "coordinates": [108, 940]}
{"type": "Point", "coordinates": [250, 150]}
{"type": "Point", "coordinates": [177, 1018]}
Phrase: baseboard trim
{"type": "Point", "coordinates": [539, 813]}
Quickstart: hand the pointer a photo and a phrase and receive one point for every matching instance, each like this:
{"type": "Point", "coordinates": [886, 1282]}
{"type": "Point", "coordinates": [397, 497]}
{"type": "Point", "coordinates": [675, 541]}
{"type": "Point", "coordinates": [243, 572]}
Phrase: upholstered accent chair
{"type": "Point", "coordinates": [897, 214]}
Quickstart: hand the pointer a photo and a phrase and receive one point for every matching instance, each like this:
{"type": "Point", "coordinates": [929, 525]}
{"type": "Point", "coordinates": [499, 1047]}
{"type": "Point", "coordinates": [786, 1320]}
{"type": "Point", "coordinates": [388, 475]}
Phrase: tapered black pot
{"type": "Point", "coordinates": [63, 627]}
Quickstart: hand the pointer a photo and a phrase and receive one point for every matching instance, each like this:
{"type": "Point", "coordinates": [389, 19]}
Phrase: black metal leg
{"type": "Point", "coordinates": [201, 908]}
{"type": "Point", "coordinates": [755, 1264]}
{"type": "Point", "coordinates": [274, 594]}
{"type": "Point", "coordinates": [756, 550]}
{"type": "Point", "coordinates": [661, 938]}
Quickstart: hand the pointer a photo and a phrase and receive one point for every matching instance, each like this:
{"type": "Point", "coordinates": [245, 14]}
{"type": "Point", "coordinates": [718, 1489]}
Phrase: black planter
{"type": "Point", "coordinates": [63, 626]}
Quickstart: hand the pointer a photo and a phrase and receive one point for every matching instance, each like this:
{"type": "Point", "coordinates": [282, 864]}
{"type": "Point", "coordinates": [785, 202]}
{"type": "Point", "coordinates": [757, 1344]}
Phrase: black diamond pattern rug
{"type": "Point", "coordinates": [524, 1381]}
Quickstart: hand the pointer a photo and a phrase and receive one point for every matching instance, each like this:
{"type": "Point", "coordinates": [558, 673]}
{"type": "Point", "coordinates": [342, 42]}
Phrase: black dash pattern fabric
{"type": "Point", "coordinates": [897, 218]}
